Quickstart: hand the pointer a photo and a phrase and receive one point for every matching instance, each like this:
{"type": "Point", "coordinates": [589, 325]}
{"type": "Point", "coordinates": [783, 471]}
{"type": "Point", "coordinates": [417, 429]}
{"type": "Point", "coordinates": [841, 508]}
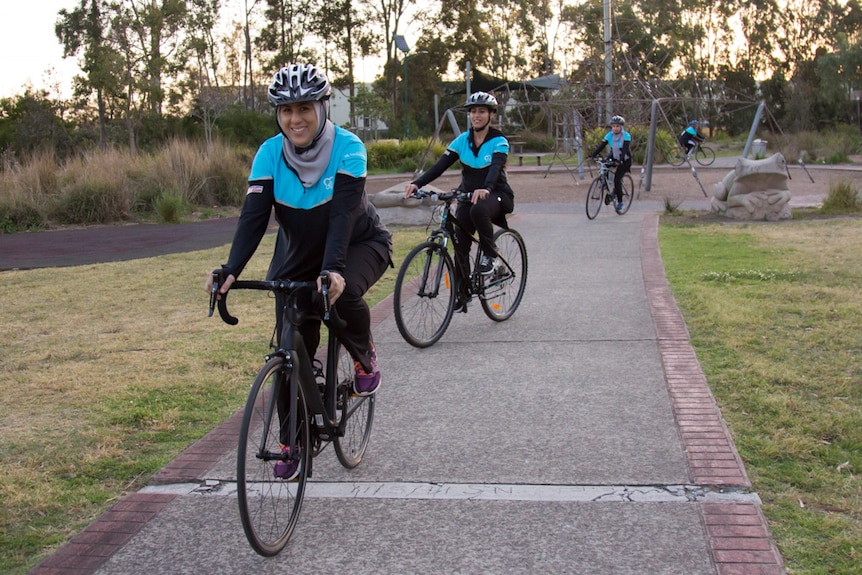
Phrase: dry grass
{"type": "Point", "coordinates": [108, 372]}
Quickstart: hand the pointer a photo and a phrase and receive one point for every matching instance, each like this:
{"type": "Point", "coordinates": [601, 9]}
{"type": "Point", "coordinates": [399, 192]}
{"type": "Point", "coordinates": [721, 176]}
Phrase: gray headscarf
{"type": "Point", "coordinates": [310, 163]}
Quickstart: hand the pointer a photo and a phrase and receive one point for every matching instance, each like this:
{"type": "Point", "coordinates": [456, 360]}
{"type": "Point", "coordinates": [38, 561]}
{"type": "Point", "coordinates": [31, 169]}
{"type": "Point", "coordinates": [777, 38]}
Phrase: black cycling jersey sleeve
{"type": "Point", "coordinates": [444, 163]}
{"type": "Point", "coordinates": [253, 221]}
{"type": "Point", "coordinates": [346, 209]}
{"type": "Point", "coordinates": [498, 163]}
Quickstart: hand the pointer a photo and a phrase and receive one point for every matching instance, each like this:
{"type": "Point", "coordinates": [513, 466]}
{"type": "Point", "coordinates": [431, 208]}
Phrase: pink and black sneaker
{"type": "Point", "coordinates": [366, 383]}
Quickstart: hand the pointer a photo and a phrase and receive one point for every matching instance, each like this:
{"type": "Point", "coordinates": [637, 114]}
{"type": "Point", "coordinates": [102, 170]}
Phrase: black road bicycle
{"type": "Point", "coordinates": [293, 402]}
{"type": "Point", "coordinates": [703, 155]}
{"type": "Point", "coordinates": [429, 282]}
{"type": "Point", "coordinates": [601, 190]}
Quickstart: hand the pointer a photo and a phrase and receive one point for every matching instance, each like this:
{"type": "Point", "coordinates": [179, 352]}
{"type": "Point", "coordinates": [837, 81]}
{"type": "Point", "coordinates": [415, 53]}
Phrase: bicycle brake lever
{"type": "Point", "coordinates": [324, 290]}
{"type": "Point", "coordinates": [214, 294]}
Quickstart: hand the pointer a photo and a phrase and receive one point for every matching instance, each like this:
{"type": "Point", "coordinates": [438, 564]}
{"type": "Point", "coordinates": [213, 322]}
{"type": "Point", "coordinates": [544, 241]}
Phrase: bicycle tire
{"type": "Point", "coordinates": [423, 305]}
{"type": "Point", "coordinates": [677, 157]}
{"type": "Point", "coordinates": [595, 197]}
{"type": "Point", "coordinates": [503, 290]}
{"type": "Point", "coordinates": [358, 415]}
{"type": "Point", "coordinates": [628, 193]}
{"type": "Point", "coordinates": [704, 155]}
{"type": "Point", "coordinates": [269, 507]}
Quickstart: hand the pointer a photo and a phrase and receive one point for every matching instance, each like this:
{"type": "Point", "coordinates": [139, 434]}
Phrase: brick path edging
{"type": "Point", "coordinates": [738, 534]}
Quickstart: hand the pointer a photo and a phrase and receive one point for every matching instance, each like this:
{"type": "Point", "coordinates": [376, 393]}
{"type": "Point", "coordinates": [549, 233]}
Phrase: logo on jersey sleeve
{"type": "Point", "coordinates": [328, 183]}
{"type": "Point", "coordinates": [254, 190]}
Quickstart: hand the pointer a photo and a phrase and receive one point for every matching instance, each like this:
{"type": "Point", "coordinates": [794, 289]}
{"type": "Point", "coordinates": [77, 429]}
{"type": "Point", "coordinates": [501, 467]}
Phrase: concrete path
{"type": "Point", "coordinates": [577, 437]}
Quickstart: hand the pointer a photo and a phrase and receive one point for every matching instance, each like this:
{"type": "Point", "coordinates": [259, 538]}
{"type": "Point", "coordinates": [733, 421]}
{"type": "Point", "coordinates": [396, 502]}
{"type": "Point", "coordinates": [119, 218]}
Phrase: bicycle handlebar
{"type": "Point", "coordinates": [287, 287]}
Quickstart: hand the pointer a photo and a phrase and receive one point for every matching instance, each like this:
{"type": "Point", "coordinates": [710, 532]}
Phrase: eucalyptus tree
{"type": "Point", "coordinates": [155, 33]}
{"type": "Point", "coordinates": [82, 32]}
{"type": "Point", "coordinates": [204, 66]}
{"type": "Point", "coordinates": [388, 15]}
{"type": "Point", "coordinates": [343, 26]}
{"type": "Point", "coordinates": [284, 35]}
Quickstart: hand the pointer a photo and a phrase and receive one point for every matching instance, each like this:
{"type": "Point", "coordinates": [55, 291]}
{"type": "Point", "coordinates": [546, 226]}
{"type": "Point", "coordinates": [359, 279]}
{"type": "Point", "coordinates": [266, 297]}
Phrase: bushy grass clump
{"type": "Point", "coordinates": [843, 198]}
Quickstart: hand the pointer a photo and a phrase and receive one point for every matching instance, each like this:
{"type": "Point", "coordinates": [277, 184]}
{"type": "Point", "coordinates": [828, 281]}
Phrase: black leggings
{"type": "Point", "coordinates": [364, 268]}
{"type": "Point", "coordinates": [479, 218]}
{"type": "Point", "coordinates": [621, 170]}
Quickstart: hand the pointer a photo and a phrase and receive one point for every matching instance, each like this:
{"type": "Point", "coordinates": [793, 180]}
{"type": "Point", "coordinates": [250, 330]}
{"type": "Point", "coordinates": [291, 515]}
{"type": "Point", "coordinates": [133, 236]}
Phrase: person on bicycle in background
{"type": "Point", "coordinates": [483, 152]}
{"type": "Point", "coordinates": [690, 137]}
{"type": "Point", "coordinates": [619, 141]}
{"type": "Point", "coordinates": [312, 173]}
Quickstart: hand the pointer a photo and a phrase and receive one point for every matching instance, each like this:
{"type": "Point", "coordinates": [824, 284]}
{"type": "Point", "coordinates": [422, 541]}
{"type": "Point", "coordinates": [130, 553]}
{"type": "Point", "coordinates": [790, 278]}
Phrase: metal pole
{"type": "Point", "coordinates": [609, 70]}
{"type": "Point", "coordinates": [753, 131]}
{"type": "Point", "coordinates": [406, 119]}
{"type": "Point", "coordinates": [651, 144]}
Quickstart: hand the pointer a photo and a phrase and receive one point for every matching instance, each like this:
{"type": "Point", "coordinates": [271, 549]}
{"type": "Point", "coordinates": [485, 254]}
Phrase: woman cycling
{"type": "Point", "coordinates": [690, 137]}
{"type": "Point", "coordinates": [620, 142]}
{"type": "Point", "coordinates": [482, 151]}
{"type": "Point", "coordinates": [312, 174]}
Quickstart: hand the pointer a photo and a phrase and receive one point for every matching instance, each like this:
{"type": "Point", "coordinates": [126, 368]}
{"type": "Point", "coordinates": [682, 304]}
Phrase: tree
{"type": "Point", "coordinates": [83, 30]}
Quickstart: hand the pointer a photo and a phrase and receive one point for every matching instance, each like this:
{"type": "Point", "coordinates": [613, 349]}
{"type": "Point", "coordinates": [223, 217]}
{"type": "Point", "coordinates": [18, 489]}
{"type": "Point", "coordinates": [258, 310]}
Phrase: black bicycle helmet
{"type": "Point", "coordinates": [618, 120]}
{"type": "Point", "coordinates": [298, 83]}
{"type": "Point", "coordinates": [481, 99]}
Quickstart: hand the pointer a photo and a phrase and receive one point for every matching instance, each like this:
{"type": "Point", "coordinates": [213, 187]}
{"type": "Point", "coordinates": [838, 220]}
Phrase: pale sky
{"type": "Point", "coordinates": [33, 56]}
{"type": "Point", "coordinates": [30, 48]}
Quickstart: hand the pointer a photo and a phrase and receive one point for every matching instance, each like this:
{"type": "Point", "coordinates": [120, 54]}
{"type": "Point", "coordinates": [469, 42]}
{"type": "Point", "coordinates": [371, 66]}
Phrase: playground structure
{"type": "Point", "coordinates": [566, 113]}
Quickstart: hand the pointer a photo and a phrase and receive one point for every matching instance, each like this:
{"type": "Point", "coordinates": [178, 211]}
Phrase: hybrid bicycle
{"type": "Point", "coordinates": [601, 191]}
{"type": "Point", "coordinates": [428, 280]}
{"type": "Point", "coordinates": [295, 408]}
{"type": "Point", "coordinates": [703, 155]}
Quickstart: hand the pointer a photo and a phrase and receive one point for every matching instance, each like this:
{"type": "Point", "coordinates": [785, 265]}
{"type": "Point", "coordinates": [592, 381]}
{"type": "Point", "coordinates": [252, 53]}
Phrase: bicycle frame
{"type": "Point", "coordinates": [446, 231]}
{"type": "Point", "coordinates": [322, 408]}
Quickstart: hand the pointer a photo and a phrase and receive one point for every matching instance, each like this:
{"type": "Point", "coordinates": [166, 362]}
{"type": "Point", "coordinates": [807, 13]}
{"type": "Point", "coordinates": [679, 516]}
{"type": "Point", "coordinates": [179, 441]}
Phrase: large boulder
{"type": "Point", "coordinates": [396, 210]}
{"type": "Point", "coordinates": [754, 190]}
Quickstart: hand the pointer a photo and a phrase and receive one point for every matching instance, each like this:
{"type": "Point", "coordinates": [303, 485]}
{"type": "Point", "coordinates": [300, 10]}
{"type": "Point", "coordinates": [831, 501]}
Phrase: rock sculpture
{"type": "Point", "coordinates": [754, 190]}
{"type": "Point", "coordinates": [394, 209]}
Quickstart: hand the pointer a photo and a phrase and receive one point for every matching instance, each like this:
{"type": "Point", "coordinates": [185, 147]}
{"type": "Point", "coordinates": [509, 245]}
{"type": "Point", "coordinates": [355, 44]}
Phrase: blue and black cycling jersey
{"type": "Point", "coordinates": [317, 223]}
{"type": "Point", "coordinates": [481, 168]}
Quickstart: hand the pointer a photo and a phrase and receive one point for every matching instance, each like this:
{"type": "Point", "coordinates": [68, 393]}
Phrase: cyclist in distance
{"type": "Point", "coordinates": [483, 152]}
{"type": "Point", "coordinates": [690, 137]}
{"type": "Point", "coordinates": [312, 173]}
{"type": "Point", "coordinates": [619, 141]}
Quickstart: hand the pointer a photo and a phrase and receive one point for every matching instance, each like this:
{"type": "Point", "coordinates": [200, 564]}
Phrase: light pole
{"type": "Point", "coordinates": [406, 117]}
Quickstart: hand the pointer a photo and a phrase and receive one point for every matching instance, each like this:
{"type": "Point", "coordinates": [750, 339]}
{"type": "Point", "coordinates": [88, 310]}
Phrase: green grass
{"type": "Point", "coordinates": [774, 314]}
{"type": "Point", "coordinates": [108, 372]}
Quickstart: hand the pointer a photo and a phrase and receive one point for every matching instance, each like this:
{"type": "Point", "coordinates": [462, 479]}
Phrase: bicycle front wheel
{"type": "Point", "coordinates": [424, 297]}
{"type": "Point", "coordinates": [595, 197]}
{"type": "Point", "coordinates": [704, 155]}
{"type": "Point", "coordinates": [269, 506]}
{"type": "Point", "coordinates": [628, 193]}
{"type": "Point", "coordinates": [357, 413]}
{"type": "Point", "coordinates": [503, 289]}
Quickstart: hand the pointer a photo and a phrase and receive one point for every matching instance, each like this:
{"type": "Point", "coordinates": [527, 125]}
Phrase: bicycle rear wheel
{"type": "Point", "coordinates": [357, 413]}
{"type": "Point", "coordinates": [424, 296]}
{"type": "Point", "coordinates": [503, 289]}
{"type": "Point", "coordinates": [269, 506]}
{"type": "Point", "coordinates": [628, 193]}
{"type": "Point", "coordinates": [704, 155]}
{"type": "Point", "coordinates": [595, 197]}
{"type": "Point", "coordinates": [677, 157]}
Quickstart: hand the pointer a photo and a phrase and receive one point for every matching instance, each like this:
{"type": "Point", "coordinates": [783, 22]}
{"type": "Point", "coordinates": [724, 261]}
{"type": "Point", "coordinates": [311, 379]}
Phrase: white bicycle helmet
{"type": "Point", "coordinates": [481, 99]}
{"type": "Point", "coordinates": [299, 83]}
{"type": "Point", "coordinates": [618, 120]}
